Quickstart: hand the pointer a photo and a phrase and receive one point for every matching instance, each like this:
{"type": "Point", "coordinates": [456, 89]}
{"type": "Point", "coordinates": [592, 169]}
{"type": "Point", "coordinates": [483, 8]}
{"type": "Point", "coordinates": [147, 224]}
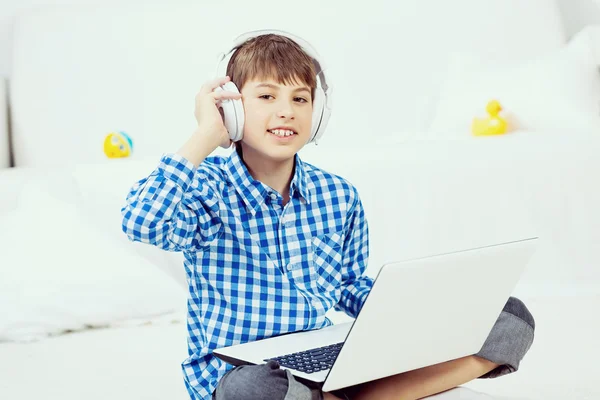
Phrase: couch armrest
{"type": "Point", "coordinates": [4, 139]}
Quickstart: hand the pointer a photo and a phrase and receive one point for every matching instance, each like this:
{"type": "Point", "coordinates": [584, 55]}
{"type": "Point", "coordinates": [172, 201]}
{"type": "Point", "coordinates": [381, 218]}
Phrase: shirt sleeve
{"type": "Point", "coordinates": [172, 208]}
{"type": "Point", "coordinates": [355, 284]}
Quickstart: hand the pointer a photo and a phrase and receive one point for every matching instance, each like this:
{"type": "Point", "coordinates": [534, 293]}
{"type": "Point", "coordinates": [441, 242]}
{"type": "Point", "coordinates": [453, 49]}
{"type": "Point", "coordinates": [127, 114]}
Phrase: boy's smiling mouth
{"type": "Point", "coordinates": [282, 132]}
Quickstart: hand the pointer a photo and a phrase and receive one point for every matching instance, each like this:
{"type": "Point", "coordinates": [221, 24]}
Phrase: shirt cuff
{"type": "Point", "coordinates": [178, 169]}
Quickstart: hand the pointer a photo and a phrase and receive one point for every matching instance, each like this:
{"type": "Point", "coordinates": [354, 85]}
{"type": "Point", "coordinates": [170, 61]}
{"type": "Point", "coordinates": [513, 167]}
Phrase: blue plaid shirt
{"type": "Point", "coordinates": [255, 268]}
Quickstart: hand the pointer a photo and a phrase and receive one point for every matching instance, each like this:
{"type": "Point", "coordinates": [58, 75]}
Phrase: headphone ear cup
{"type": "Point", "coordinates": [317, 114]}
{"type": "Point", "coordinates": [233, 113]}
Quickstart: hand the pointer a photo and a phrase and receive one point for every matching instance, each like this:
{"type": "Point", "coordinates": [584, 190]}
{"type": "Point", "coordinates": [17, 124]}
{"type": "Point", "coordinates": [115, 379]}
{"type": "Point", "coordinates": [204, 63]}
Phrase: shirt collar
{"type": "Point", "coordinates": [254, 192]}
{"type": "Point", "coordinates": [299, 185]}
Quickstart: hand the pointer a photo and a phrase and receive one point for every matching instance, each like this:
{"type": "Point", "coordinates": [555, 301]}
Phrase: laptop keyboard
{"type": "Point", "coordinates": [310, 361]}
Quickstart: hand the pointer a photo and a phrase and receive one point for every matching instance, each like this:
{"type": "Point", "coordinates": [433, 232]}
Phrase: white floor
{"type": "Point", "coordinates": [118, 364]}
{"type": "Point", "coordinates": [563, 361]}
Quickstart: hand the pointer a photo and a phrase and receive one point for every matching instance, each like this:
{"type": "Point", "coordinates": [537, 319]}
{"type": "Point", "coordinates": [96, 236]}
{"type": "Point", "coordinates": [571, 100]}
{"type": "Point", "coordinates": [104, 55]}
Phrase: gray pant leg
{"type": "Point", "coordinates": [510, 338]}
{"type": "Point", "coordinates": [261, 382]}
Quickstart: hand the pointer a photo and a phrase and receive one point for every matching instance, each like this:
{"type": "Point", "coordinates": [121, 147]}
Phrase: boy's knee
{"type": "Point", "coordinates": [510, 338]}
{"type": "Point", "coordinates": [253, 382]}
{"type": "Point", "coordinates": [517, 308]}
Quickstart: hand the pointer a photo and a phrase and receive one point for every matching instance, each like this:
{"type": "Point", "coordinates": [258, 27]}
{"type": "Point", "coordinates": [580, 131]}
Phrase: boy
{"type": "Point", "coordinates": [272, 243]}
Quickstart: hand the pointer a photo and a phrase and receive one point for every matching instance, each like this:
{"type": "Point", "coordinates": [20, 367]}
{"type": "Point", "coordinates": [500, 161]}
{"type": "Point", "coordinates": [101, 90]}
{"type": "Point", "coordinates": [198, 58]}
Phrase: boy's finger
{"type": "Point", "coordinates": [213, 84]}
{"type": "Point", "coordinates": [222, 95]}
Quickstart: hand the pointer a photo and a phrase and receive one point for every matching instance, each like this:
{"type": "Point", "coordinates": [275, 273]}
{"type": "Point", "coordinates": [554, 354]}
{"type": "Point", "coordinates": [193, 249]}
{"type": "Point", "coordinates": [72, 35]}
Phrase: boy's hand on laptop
{"type": "Point", "coordinates": [208, 113]}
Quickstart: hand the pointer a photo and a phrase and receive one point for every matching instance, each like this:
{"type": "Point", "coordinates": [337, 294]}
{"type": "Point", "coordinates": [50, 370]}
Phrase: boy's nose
{"type": "Point", "coordinates": [285, 115]}
{"type": "Point", "coordinates": [286, 111]}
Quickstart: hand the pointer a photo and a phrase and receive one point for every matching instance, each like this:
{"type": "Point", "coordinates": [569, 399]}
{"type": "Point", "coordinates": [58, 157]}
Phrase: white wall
{"type": "Point", "coordinates": [10, 8]}
{"type": "Point", "coordinates": [577, 13]}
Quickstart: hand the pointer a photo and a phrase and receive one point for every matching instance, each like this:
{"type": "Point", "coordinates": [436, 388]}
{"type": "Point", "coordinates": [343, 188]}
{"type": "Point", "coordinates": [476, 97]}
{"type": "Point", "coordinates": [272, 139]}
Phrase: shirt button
{"type": "Point", "coordinates": [273, 196]}
{"type": "Point", "coordinates": [316, 303]}
{"type": "Point", "coordinates": [291, 266]}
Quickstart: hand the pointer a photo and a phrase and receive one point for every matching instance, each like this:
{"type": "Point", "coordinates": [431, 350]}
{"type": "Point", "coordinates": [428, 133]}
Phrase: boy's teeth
{"type": "Point", "coordinates": [282, 132]}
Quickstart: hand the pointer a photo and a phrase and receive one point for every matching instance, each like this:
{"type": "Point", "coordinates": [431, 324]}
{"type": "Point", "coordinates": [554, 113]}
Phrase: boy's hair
{"type": "Point", "coordinates": [272, 56]}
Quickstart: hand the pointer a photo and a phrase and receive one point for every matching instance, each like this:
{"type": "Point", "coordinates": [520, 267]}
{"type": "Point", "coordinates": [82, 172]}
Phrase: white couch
{"type": "Point", "coordinates": [80, 73]}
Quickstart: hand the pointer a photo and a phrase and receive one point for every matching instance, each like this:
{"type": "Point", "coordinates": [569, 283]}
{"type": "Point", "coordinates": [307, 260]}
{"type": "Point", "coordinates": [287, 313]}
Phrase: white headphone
{"type": "Point", "coordinates": [233, 110]}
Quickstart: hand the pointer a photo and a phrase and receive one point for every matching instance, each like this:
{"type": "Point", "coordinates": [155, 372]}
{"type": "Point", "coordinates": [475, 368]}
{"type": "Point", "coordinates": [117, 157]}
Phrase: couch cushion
{"type": "Point", "coordinates": [60, 272]}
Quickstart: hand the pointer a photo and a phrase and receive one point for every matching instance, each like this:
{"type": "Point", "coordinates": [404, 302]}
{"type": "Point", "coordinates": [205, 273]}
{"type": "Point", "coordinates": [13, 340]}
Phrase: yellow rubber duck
{"type": "Point", "coordinates": [118, 145]}
{"type": "Point", "coordinates": [492, 125]}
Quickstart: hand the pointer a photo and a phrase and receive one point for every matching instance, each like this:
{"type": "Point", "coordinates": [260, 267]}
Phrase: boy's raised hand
{"type": "Point", "coordinates": [208, 113]}
{"type": "Point", "coordinates": [211, 132]}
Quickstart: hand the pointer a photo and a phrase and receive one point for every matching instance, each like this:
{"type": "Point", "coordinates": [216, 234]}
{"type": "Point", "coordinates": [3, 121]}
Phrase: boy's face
{"type": "Point", "coordinates": [272, 111]}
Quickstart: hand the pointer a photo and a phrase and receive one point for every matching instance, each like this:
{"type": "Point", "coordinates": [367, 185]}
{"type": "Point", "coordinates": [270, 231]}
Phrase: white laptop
{"type": "Point", "coordinates": [418, 313]}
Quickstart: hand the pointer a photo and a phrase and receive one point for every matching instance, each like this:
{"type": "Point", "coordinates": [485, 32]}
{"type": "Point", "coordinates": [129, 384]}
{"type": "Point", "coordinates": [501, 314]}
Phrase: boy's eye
{"type": "Point", "coordinates": [269, 97]}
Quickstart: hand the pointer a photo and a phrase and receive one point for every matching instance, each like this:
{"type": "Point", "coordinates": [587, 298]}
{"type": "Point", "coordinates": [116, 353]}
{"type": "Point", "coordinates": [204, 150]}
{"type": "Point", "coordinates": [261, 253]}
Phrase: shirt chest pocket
{"type": "Point", "coordinates": [327, 257]}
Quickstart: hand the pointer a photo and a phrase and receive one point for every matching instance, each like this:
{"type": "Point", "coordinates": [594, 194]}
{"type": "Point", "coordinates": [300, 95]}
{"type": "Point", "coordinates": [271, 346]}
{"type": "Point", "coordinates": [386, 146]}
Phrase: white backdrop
{"type": "Point", "coordinates": [576, 13]}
